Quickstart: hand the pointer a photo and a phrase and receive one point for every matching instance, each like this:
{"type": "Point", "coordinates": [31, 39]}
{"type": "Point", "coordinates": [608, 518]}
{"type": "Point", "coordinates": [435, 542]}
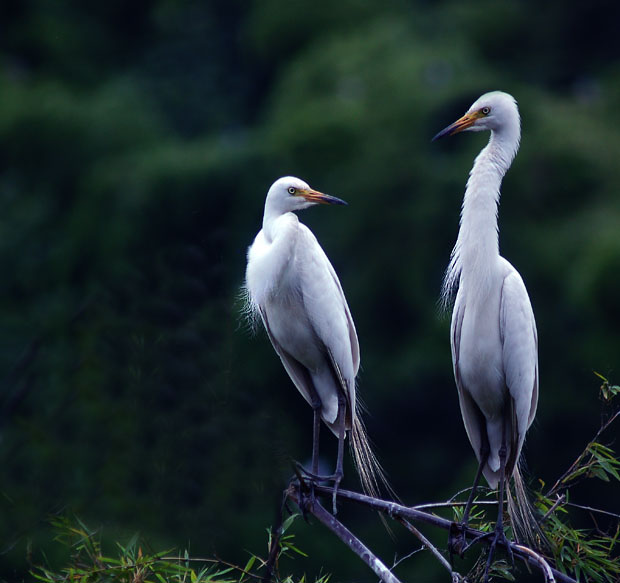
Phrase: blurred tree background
{"type": "Point", "coordinates": [137, 144]}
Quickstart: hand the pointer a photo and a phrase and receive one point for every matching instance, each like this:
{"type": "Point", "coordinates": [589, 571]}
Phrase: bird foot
{"type": "Point", "coordinates": [457, 543]}
{"type": "Point", "coordinates": [313, 479]}
{"type": "Point", "coordinates": [498, 537]}
{"type": "Point", "coordinates": [307, 497]}
{"type": "Point", "coordinates": [337, 480]}
{"type": "Point", "coordinates": [457, 540]}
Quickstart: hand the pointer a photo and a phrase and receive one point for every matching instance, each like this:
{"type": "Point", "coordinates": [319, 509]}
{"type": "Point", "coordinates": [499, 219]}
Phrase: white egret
{"type": "Point", "coordinates": [293, 286]}
{"type": "Point", "coordinates": [493, 332]}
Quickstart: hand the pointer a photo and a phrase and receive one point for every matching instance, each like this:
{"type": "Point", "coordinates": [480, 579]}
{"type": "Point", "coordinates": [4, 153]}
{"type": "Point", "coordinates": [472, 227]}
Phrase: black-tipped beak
{"type": "Point", "coordinates": [320, 198]}
{"type": "Point", "coordinates": [458, 126]}
{"type": "Point", "coordinates": [445, 132]}
{"type": "Point", "coordinates": [327, 199]}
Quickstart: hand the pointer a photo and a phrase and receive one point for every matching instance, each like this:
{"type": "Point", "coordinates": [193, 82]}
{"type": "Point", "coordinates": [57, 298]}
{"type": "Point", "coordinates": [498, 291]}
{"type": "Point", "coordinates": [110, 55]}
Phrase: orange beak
{"type": "Point", "coordinates": [459, 125]}
{"type": "Point", "coordinates": [318, 197]}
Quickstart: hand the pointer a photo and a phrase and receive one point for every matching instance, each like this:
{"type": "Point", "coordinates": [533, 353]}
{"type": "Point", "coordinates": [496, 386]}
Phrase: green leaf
{"type": "Point", "coordinates": [250, 564]}
{"type": "Point", "coordinates": [287, 523]}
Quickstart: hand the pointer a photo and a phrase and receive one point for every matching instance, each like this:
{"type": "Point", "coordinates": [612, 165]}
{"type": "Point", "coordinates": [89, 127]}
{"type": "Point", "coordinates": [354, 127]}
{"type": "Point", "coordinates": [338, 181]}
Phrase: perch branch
{"type": "Point", "coordinates": [346, 536]}
{"type": "Point", "coordinates": [398, 511]}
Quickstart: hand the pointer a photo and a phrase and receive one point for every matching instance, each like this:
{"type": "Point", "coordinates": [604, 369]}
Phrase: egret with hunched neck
{"type": "Point", "coordinates": [292, 285]}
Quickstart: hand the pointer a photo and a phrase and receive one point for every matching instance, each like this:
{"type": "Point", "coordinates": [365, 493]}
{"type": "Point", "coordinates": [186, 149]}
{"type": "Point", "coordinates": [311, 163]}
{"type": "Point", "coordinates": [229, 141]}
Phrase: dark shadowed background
{"type": "Point", "coordinates": [137, 144]}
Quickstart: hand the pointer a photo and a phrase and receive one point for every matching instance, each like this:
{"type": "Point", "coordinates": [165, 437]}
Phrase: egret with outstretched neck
{"type": "Point", "coordinates": [493, 332]}
{"type": "Point", "coordinates": [292, 286]}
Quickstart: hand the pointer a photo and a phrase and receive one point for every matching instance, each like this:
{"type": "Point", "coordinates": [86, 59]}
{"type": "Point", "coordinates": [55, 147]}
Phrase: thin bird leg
{"type": "Point", "coordinates": [484, 456]}
{"type": "Point", "coordinates": [460, 542]}
{"type": "Point", "coordinates": [316, 432]}
{"type": "Point", "coordinates": [340, 423]}
{"type": "Point", "coordinates": [457, 540]}
{"type": "Point", "coordinates": [339, 473]}
{"type": "Point", "coordinates": [499, 525]}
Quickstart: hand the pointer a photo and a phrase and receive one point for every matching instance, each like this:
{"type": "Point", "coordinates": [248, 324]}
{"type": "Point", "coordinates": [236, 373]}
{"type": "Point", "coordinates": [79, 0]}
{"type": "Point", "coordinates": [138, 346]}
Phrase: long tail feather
{"type": "Point", "coordinates": [522, 514]}
{"type": "Point", "coordinates": [371, 473]}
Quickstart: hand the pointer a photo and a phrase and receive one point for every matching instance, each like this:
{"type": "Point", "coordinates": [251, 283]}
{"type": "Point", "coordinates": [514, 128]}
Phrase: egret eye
{"type": "Point", "coordinates": [292, 190]}
{"type": "Point", "coordinates": [485, 110]}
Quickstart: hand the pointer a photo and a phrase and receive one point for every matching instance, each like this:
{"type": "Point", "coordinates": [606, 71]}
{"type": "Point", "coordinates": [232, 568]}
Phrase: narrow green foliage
{"type": "Point", "coordinates": [583, 553]}
{"type": "Point", "coordinates": [479, 517]}
{"type": "Point", "coordinates": [287, 541]}
{"type": "Point", "coordinates": [502, 569]}
{"type": "Point", "coordinates": [132, 564]}
{"type": "Point", "coordinates": [608, 391]}
{"type": "Point", "coordinates": [596, 461]}
{"type": "Point", "coordinates": [587, 554]}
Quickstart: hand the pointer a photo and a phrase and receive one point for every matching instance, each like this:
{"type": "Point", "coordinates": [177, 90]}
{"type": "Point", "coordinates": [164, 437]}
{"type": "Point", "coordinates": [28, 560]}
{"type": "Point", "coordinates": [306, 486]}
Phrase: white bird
{"type": "Point", "coordinates": [293, 286]}
{"type": "Point", "coordinates": [493, 332]}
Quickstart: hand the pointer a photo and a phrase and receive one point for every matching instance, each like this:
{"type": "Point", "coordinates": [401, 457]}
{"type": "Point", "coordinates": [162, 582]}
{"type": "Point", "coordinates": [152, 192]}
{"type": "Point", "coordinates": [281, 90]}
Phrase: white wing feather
{"type": "Point", "coordinates": [520, 350]}
{"type": "Point", "coordinates": [326, 304]}
{"type": "Point", "coordinates": [472, 416]}
{"type": "Point", "coordinates": [519, 364]}
{"type": "Point", "coordinates": [306, 317]}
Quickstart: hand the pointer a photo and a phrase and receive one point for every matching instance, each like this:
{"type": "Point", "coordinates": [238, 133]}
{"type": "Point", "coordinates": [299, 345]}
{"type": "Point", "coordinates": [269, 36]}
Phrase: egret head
{"type": "Point", "coordinates": [495, 111]}
{"type": "Point", "coordinates": [290, 194]}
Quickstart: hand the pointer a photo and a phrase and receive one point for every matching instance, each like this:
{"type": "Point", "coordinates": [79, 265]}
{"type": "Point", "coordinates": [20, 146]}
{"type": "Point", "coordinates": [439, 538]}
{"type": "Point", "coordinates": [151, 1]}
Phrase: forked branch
{"type": "Point", "coordinates": [404, 514]}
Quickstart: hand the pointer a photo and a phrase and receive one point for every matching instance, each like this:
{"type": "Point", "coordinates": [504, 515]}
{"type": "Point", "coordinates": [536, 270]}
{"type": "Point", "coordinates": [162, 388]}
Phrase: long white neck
{"type": "Point", "coordinates": [477, 247]}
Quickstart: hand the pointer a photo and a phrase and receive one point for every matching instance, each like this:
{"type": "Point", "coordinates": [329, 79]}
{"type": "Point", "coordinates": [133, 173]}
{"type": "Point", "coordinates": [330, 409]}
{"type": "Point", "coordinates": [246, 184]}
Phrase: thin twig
{"type": "Point", "coordinates": [215, 561]}
{"type": "Point", "coordinates": [597, 510]}
{"type": "Point", "coordinates": [430, 546]}
{"type": "Point", "coordinates": [571, 469]}
{"type": "Point", "coordinates": [407, 556]}
{"type": "Point", "coordinates": [549, 512]}
{"type": "Point", "coordinates": [468, 489]}
{"type": "Point", "coordinates": [453, 504]}
{"type": "Point", "coordinates": [237, 568]}
{"type": "Point", "coordinates": [347, 537]}
{"type": "Point", "coordinates": [544, 566]}
{"type": "Point", "coordinates": [275, 542]}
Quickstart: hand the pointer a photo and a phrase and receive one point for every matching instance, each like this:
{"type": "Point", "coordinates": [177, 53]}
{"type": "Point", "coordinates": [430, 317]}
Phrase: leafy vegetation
{"type": "Point", "coordinates": [131, 564]}
{"type": "Point", "coordinates": [584, 554]}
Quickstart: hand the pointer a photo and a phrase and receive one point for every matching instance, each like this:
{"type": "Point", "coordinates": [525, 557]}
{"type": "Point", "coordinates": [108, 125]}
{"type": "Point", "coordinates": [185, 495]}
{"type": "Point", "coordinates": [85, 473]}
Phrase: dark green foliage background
{"type": "Point", "coordinates": [137, 143]}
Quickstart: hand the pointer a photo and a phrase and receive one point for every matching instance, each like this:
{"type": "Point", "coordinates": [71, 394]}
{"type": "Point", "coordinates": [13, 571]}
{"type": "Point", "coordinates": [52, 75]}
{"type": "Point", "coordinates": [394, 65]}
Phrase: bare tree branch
{"type": "Point", "coordinates": [344, 534]}
{"type": "Point", "coordinates": [544, 566]}
{"type": "Point", "coordinates": [430, 546]}
{"type": "Point", "coordinates": [451, 504]}
{"type": "Point", "coordinates": [595, 510]}
{"type": "Point", "coordinates": [404, 513]}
